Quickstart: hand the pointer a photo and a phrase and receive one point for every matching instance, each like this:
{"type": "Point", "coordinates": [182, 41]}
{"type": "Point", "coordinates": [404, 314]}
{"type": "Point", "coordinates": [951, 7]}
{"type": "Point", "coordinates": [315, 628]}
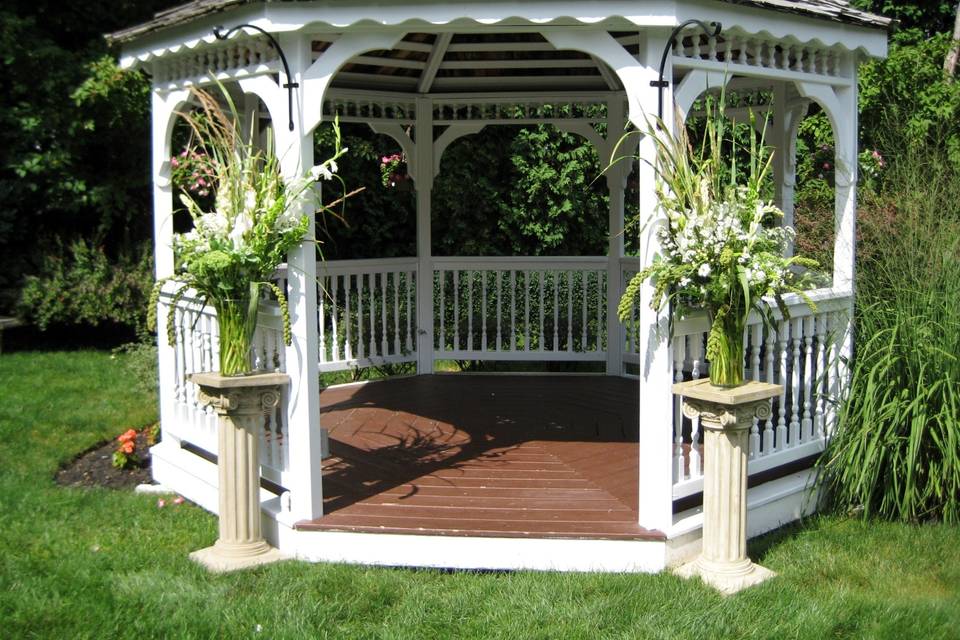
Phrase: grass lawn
{"type": "Point", "coordinates": [104, 564]}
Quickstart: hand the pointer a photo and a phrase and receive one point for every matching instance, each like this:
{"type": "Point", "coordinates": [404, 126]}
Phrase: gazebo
{"type": "Point", "coordinates": [500, 472]}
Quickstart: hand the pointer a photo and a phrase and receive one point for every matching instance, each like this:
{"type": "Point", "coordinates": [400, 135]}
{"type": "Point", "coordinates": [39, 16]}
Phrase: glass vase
{"type": "Point", "coordinates": [237, 321]}
{"type": "Point", "coordinates": [726, 366]}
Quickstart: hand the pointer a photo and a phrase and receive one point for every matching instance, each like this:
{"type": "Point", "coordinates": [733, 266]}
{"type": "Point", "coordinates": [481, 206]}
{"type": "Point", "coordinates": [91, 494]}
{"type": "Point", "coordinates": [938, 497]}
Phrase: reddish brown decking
{"type": "Point", "coordinates": [510, 456]}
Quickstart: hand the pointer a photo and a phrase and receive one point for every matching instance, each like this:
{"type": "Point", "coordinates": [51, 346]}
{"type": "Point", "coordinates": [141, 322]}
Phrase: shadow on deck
{"type": "Point", "coordinates": [501, 456]}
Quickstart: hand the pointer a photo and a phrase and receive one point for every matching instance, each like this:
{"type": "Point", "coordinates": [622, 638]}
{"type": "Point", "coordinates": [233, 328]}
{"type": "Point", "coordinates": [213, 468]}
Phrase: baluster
{"type": "Point", "coordinates": [696, 359]}
{"type": "Point", "coordinates": [756, 335]}
{"type": "Point", "coordinates": [456, 311]}
{"type": "Point", "coordinates": [361, 345]}
{"type": "Point", "coordinates": [526, 312]}
{"type": "Point", "coordinates": [806, 425]}
{"type": "Point", "coordinates": [783, 336]}
{"type": "Point", "coordinates": [796, 327]}
{"type": "Point", "coordinates": [408, 277]}
{"type": "Point", "coordinates": [569, 311]}
{"type": "Point", "coordinates": [396, 313]}
{"type": "Point", "coordinates": [441, 336]}
{"type": "Point", "coordinates": [499, 297]}
{"type": "Point", "coordinates": [556, 310]}
{"type": "Point", "coordinates": [322, 321]}
{"type": "Point", "coordinates": [513, 310]}
{"type": "Point", "coordinates": [584, 276]}
{"type": "Point", "coordinates": [820, 382]}
{"type": "Point", "coordinates": [334, 306]}
{"type": "Point", "coordinates": [469, 310]}
{"type": "Point", "coordinates": [712, 48]}
{"type": "Point", "coordinates": [180, 389]}
{"type": "Point", "coordinates": [678, 357]}
{"type": "Point", "coordinates": [601, 300]}
{"type": "Point", "coordinates": [372, 286]}
{"type": "Point", "coordinates": [347, 345]}
{"type": "Point", "coordinates": [771, 54]}
{"type": "Point", "coordinates": [678, 46]}
{"type": "Point", "coordinates": [742, 55]}
{"type": "Point", "coordinates": [483, 311]}
{"type": "Point", "coordinates": [540, 276]}
{"type": "Point", "coordinates": [769, 346]}
{"type": "Point", "coordinates": [384, 349]}
{"type": "Point", "coordinates": [834, 332]}
{"type": "Point", "coordinates": [727, 49]}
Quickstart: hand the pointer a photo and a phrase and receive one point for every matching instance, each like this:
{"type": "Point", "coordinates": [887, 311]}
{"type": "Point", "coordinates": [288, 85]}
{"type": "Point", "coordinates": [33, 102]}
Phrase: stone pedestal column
{"type": "Point", "coordinates": [726, 415]}
{"type": "Point", "coordinates": [241, 403]}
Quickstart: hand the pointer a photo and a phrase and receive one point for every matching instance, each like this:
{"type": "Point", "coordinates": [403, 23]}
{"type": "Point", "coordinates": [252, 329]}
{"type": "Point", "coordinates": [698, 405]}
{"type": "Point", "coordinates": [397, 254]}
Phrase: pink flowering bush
{"type": "Point", "coordinates": [392, 170]}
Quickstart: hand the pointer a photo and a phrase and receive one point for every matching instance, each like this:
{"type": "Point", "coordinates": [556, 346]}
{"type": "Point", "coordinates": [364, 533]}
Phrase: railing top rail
{"type": "Point", "coordinates": [341, 266]}
{"type": "Point", "coordinates": [826, 300]}
{"type": "Point", "coordinates": [519, 262]}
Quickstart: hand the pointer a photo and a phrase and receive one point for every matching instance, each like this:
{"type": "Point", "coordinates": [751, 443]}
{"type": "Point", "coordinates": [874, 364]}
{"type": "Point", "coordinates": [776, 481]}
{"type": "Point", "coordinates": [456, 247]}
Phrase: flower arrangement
{"type": "Point", "coordinates": [125, 455]}
{"type": "Point", "coordinates": [234, 248]}
{"type": "Point", "coordinates": [721, 247]}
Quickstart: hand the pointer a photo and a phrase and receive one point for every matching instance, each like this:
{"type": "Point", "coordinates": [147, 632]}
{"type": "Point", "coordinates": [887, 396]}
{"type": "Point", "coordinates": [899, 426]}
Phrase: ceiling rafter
{"type": "Point", "coordinates": [433, 62]}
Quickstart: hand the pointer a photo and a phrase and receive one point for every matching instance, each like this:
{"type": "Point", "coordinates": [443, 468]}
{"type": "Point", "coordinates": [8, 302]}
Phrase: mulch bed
{"type": "Point", "coordinates": [94, 467]}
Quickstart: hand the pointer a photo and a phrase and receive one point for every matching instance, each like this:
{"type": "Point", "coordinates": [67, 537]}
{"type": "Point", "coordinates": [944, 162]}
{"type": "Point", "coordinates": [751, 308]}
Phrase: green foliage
{"type": "Point", "coordinates": [916, 20]}
{"type": "Point", "coordinates": [74, 141]}
{"type": "Point", "coordinates": [896, 452]}
{"type": "Point", "coordinates": [81, 284]}
{"type": "Point", "coordinates": [504, 191]}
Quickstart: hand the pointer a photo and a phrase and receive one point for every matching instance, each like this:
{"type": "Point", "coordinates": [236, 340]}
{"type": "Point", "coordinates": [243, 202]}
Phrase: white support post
{"type": "Point", "coordinates": [616, 185]}
{"type": "Point", "coordinates": [788, 111]}
{"type": "Point", "coordinates": [295, 151]}
{"type": "Point", "coordinates": [423, 157]}
{"type": "Point", "coordinates": [846, 127]}
{"type": "Point", "coordinates": [784, 178]}
{"type": "Point", "coordinates": [656, 365]}
{"type": "Point", "coordinates": [163, 107]}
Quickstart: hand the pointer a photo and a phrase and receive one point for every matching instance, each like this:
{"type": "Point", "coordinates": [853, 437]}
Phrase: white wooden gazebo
{"type": "Point", "coordinates": [427, 73]}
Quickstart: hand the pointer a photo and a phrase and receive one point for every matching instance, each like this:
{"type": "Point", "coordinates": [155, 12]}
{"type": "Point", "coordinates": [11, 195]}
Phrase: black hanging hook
{"type": "Point", "coordinates": [220, 34]}
{"type": "Point", "coordinates": [713, 30]}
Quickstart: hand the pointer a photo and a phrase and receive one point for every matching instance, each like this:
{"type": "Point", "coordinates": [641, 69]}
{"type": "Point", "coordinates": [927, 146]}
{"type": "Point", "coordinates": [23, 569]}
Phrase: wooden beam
{"type": "Point", "coordinates": [433, 62]}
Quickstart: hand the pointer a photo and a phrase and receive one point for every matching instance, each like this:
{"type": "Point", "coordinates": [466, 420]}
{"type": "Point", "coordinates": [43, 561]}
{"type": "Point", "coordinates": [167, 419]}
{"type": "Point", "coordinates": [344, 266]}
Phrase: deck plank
{"type": "Point", "coordinates": [524, 456]}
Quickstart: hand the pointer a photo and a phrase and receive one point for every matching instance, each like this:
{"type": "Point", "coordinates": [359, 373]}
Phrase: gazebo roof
{"type": "Point", "coordinates": [834, 10]}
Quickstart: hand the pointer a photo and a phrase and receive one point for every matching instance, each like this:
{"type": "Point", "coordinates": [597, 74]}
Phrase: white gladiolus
{"type": "Point", "coordinates": [704, 270]}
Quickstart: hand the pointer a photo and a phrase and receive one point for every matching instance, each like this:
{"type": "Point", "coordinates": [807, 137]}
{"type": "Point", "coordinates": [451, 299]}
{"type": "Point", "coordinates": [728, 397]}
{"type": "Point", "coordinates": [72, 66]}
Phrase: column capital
{"type": "Point", "coordinates": [240, 395]}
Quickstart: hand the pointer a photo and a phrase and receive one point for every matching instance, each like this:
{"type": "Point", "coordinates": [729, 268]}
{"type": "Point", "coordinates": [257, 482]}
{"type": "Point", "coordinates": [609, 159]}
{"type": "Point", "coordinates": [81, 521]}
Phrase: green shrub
{"type": "Point", "coordinates": [80, 284]}
{"type": "Point", "coordinates": [896, 451]}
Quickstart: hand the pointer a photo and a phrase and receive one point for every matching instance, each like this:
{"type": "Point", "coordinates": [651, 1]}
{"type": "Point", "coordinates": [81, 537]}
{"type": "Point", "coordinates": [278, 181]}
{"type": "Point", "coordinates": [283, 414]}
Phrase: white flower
{"type": "Point", "coordinates": [242, 224]}
{"type": "Point", "coordinates": [704, 270]}
{"type": "Point", "coordinates": [249, 201]}
{"type": "Point", "coordinates": [322, 171]}
{"type": "Point", "coordinates": [333, 166]}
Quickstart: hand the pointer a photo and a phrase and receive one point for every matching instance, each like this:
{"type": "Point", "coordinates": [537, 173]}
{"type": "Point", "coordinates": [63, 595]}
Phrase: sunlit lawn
{"type": "Point", "coordinates": [104, 564]}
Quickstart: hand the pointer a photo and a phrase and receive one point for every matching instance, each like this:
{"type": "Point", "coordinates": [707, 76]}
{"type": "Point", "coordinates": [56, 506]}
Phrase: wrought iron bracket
{"type": "Point", "coordinates": [713, 30]}
{"type": "Point", "coordinates": [221, 34]}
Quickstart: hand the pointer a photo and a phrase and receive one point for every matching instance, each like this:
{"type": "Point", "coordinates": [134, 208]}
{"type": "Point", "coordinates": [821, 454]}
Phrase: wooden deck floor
{"type": "Point", "coordinates": [506, 456]}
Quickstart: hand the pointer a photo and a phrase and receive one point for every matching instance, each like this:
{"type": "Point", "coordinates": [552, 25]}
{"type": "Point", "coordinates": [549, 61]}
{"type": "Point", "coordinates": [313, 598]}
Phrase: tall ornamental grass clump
{"type": "Point", "coordinates": [896, 450]}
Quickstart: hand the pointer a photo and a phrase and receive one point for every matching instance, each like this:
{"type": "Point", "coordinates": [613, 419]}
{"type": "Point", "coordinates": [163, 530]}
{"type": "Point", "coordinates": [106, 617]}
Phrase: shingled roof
{"type": "Point", "coordinates": [834, 10]}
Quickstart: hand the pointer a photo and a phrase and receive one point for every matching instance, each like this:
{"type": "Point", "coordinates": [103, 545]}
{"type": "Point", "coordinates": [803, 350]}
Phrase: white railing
{"type": "Point", "coordinates": [800, 353]}
{"type": "Point", "coordinates": [520, 308]}
{"type": "Point", "coordinates": [367, 312]}
{"type": "Point", "coordinates": [196, 349]}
